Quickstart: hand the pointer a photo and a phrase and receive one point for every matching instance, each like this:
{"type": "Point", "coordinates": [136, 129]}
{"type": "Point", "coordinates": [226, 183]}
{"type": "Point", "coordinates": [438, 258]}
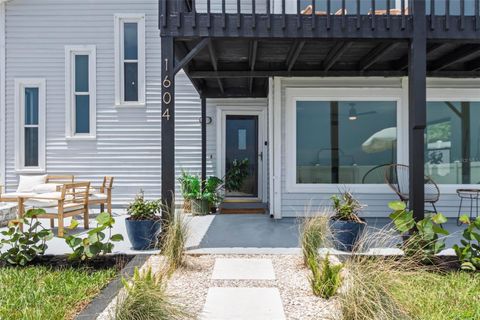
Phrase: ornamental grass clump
{"type": "Point", "coordinates": [146, 297]}
{"type": "Point", "coordinates": [314, 234]}
{"type": "Point", "coordinates": [369, 281]}
{"type": "Point", "coordinates": [174, 240]}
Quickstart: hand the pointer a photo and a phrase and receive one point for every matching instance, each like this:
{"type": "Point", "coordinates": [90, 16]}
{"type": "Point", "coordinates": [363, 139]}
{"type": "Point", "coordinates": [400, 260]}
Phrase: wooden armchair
{"type": "Point", "coordinates": [71, 201]}
{"type": "Point", "coordinates": [102, 196]}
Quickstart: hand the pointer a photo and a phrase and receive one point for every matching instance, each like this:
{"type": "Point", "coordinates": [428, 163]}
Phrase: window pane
{"type": "Point", "coordinates": [131, 79]}
{"type": "Point", "coordinates": [81, 73]}
{"type": "Point", "coordinates": [31, 147]}
{"type": "Point", "coordinates": [453, 142]}
{"type": "Point", "coordinates": [31, 105]}
{"type": "Point", "coordinates": [82, 114]}
{"type": "Point", "coordinates": [345, 142]}
{"type": "Point", "coordinates": [131, 41]}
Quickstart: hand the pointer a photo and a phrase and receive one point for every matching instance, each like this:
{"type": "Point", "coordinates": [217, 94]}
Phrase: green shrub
{"type": "Point", "coordinates": [469, 251]}
{"type": "Point", "coordinates": [325, 280]}
{"type": "Point", "coordinates": [347, 207]}
{"type": "Point", "coordinates": [141, 209]}
{"type": "Point", "coordinates": [314, 234]}
{"type": "Point", "coordinates": [146, 298]}
{"type": "Point", "coordinates": [423, 237]}
{"type": "Point", "coordinates": [97, 241]}
{"type": "Point", "coordinates": [173, 245]}
{"type": "Point", "coordinates": [24, 246]}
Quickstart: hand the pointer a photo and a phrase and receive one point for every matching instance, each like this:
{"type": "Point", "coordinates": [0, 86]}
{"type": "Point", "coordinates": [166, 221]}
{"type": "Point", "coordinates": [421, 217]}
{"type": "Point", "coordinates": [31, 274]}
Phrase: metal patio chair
{"type": "Point", "coordinates": [397, 178]}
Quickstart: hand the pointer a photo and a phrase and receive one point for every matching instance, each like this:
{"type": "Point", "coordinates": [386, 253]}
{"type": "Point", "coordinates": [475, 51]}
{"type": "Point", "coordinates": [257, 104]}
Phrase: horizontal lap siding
{"type": "Point", "coordinates": [128, 139]}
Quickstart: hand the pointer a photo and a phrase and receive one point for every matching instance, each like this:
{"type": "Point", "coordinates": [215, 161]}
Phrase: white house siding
{"type": "Point", "coordinates": [128, 138]}
{"type": "Point", "coordinates": [293, 204]}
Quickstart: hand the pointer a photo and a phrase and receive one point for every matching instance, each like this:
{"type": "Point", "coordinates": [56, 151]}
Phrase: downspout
{"type": "Point", "coordinates": [2, 92]}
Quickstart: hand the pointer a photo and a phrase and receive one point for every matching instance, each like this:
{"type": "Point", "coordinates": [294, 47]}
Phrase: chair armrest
{"type": "Point", "coordinates": [40, 197]}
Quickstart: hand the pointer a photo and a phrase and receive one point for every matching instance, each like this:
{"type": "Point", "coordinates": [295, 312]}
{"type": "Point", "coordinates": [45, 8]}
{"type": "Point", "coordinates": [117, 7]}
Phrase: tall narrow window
{"type": "Point", "coordinates": [30, 124]}
{"type": "Point", "coordinates": [80, 91]}
{"type": "Point", "coordinates": [130, 59]}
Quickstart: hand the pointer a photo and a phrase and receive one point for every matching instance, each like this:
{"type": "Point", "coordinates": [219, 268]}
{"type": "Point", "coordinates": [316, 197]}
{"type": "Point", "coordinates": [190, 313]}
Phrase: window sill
{"type": "Point", "coordinates": [80, 138]}
{"type": "Point", "coordinates": [131, 105]}
{"type": "Point", "coordinates": [26, 170]}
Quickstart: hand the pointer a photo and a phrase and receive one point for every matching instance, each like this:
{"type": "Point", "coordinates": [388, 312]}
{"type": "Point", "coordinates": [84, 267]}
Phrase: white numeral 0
{"type": "Point", "coordinates": [167, 98]}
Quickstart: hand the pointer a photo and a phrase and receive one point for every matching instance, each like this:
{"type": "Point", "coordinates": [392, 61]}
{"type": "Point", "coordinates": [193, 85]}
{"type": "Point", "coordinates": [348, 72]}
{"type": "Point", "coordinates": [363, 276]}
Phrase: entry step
{"type": "Point", "coordinates": [243, 208]}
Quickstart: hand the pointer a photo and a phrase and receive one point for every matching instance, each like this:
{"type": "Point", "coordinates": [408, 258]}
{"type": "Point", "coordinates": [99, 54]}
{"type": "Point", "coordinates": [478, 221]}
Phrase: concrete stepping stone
{"type": "Point", "coordinates": [243, 269]}
{"type": "Point", "coordinates": [243, 304]}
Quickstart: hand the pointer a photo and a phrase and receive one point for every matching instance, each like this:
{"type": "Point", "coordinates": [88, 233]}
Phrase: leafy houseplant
{"type": "Point", "coordinates": [97, 241]}
{"type": "Point", "coordinates": [202, 201]}
{"type": "Point", "coordinates": [143, 224]}
{"type": "Point", "coordinates": [469, 251]}
{"type": "Point", "coordinates": [25, 246]}
{"type": "Point", "coordinates": [187, 187]}
{"type": "Point", "coordinates": [236, 175]}
{"type": "Point", "coordinates": [420, 237]}
{"type": "Point", "coordinates": [345, 224]}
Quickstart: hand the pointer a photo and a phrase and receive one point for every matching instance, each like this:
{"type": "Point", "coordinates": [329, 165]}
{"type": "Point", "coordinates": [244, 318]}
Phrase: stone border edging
{"type": "Point", "coordinates": [105, 297]}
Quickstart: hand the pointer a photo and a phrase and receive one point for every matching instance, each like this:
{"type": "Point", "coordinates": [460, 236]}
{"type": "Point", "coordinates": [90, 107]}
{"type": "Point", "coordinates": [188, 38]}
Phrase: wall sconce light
{"type": "Point", "coordinates": [208, 120]}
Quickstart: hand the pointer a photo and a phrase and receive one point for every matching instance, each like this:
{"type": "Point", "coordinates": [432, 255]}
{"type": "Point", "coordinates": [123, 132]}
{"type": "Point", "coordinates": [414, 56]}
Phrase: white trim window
{"type": "Point", "coordinates": [334, 137]}
{"type": "Point", "coordinates": [80, 90]}
{"type": "Point", "coordinates": [30, 107]}
{"type": "Point", "coordinates": [130, 59]}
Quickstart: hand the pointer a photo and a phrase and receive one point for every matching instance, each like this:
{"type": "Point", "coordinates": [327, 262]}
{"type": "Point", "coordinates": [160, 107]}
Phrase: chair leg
{"type": "Point", "coordinates": [52, 223]}
{"type": "Point", "coordinates": [102, 208]}
{"type": "Point", "coordinates": [86, 222]}
{"type": "Point", "coordinates": [109, 207]}
{"type": "Point", "coordinates": [459, 212]}
{"type": "Point", "coordinates": [434, 208]}
{"type": "Point", "coordinates": [60, 227]}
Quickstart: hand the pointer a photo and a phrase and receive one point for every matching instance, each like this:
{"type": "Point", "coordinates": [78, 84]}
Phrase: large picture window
{"type": "Point", "coordinates": [130, 59]}
{"type": "Point", "coordinates": [344, 142]}
{"type": "Point", "coordinates": [452, 146]}
{"type": "Point", "coordinates": [30, 125]}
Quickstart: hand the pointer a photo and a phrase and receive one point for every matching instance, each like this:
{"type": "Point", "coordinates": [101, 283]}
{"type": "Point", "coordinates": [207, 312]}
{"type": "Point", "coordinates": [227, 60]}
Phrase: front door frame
{"type": "Point", "coordinates": [261, 112]}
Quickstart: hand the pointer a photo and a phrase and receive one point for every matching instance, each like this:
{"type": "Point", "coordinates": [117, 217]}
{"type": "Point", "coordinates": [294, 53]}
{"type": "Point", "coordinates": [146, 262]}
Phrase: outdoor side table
{"type": "Point", "coordinates": [468, 194]}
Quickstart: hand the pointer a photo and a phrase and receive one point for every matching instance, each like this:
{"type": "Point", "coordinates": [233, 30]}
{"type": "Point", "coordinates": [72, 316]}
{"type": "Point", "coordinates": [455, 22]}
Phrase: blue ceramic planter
{"type": "Point", "coordinates": [346, 234]}
{"type": "Point", "coordinates": [142, 233]}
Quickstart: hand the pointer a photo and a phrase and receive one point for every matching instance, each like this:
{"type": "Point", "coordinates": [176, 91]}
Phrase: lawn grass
{"type": "Point", "coordinates": [432, 296]}
{"type": "Point", "coordinates": [40, 292]}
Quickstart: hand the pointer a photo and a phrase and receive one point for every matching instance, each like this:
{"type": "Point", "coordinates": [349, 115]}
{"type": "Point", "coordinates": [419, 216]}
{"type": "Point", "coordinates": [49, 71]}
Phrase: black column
{"type": "Point", "coordinates": [417, 107]}
{"type": "Point", "coordinates": [168, 127]}
{"type": "Point", "coordinates": [204, 139]}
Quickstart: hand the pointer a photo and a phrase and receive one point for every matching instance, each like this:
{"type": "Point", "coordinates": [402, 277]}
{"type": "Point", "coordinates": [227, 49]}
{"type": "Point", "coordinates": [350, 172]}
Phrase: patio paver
{"type": "Point", "coordinates": [243, 303]}
{"type": "Point", "coordinates": [243, 269]}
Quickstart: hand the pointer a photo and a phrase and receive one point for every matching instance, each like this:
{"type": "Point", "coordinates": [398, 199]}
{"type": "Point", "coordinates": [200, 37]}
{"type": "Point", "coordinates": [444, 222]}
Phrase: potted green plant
{"type": "Point", "coordinates": [203, 200]}
{"type": "Point", "coordinates": [143, 224]}
{"type": "Point", "coordinates": [212, 193]}
{"type": "Point", "coordinates": [345, 224]}
{"type": "Point", "coordinates": [187, 185]}
{"type": "Point", "coordinates": [236, 175]}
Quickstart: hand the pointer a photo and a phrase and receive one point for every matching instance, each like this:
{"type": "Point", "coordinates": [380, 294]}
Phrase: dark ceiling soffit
{"type": "Point", "coordinates": [464, 53]}
{"type": "Point", "coordinates": [335, 54]}
{"type": "Point", "coordinates": [376, 54]}
{"type": "Point", "coordinates": [214, 60]}
{"type": "Point", "coordinates": [294, 53]}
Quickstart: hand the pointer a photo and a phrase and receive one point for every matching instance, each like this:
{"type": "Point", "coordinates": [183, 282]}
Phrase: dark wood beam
{"type": "Point", "coordinates": [376, 54]}
{"type": "Point", "coordinates": [402, 63]}
{"type": "Point", "coordinates": [214, 60]}
{"type": "Point", "coordinates": [190, 55]}
{"type": "Point", "coordinates": [464, 53]}
{"type": "Point", "coordinates": [182, 50]}
{"type": "Point", "coordinates": [204, 140]}
{"type": "Point", "coordinates": [168, 127]}
{"type": "Point", "coordinates": [252, 61]}
{"type": "Point", "coordinates": [294, 53]}
{"type": "Point", "coordinates": [335, 54]}
{"type": "Point", "coordinates": [417, 110]}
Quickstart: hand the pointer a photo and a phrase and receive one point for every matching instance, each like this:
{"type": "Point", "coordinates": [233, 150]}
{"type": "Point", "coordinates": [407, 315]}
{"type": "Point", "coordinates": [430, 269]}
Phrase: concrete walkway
{"type": "Point", "coordinates": [253, 303]}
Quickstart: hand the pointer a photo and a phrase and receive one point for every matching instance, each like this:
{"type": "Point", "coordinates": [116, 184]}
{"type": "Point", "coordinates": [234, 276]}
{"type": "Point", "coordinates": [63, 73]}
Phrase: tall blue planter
{"type": "Point", "coordinates": [346, 234]}
{"type": "Point", "coordinates": [142, 233]}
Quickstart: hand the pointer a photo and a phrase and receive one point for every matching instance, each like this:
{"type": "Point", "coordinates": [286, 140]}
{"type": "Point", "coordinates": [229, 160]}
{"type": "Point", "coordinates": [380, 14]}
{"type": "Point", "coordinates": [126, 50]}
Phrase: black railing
{"type": "Point", "coordinates": [443, 13]}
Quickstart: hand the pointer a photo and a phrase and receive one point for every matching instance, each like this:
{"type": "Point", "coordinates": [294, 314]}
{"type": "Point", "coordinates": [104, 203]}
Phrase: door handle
{"type": "Point", "coordinates": [260, 155]}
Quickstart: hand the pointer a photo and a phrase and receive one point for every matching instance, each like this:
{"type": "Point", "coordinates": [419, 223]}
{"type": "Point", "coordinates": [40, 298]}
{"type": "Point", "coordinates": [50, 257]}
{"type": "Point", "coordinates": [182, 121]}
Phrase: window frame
{"type": "Point", "coordinates": [292, 95]}
{"type": "Point", "coordinates": [453, 94]}
{"type": "Point", "coordinates": [20, 86]}
{"type": "Point", "coordinates": [120, 20]}
{"type": "Point", "coordinates": [70, 93]}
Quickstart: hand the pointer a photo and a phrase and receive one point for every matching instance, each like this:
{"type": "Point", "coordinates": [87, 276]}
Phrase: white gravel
{"type": "Point", "coordinates": [189, 286]}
